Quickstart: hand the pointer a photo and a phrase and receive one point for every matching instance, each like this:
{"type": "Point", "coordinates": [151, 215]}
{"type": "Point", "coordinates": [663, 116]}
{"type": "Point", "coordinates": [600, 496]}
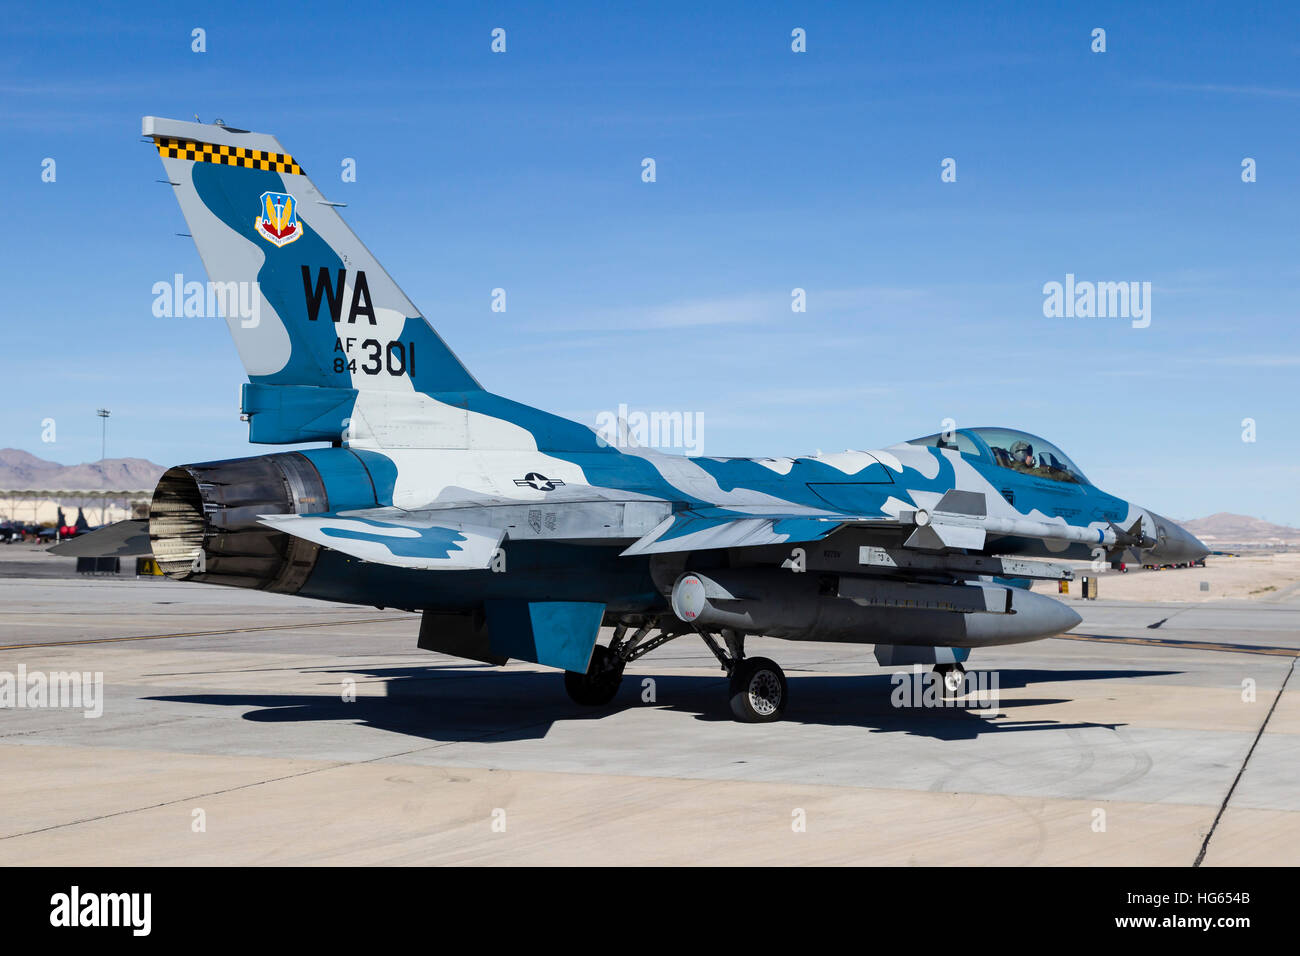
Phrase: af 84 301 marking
{"type": "Point", "coordinates": [380, 358]}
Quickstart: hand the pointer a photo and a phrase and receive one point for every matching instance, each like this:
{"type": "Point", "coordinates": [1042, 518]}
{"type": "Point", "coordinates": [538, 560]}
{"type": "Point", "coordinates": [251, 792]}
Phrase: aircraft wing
{"type": "Point", "coordinates": [702, 528]}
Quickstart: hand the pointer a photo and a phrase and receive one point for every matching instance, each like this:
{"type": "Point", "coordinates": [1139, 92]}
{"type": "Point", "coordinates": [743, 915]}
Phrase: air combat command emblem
{"type": "Point", "coordinates": [277, 222]}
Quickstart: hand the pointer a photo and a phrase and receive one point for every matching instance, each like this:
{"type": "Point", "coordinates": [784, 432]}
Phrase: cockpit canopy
{"type": "Point", "coordinates": [1008, 448]}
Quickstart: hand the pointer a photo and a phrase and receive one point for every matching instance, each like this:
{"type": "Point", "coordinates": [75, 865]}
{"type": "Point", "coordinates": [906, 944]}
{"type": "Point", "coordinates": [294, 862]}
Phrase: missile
{"type": "Point", "coordinates": [960, 519]}
{"type": "Point", "coordinates": [861, 609]}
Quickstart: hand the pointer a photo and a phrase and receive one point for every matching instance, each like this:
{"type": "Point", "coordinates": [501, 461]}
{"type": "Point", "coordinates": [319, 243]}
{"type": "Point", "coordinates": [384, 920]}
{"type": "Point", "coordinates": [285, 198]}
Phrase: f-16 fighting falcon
{"type": "Point", "coordinates": [518, 533]}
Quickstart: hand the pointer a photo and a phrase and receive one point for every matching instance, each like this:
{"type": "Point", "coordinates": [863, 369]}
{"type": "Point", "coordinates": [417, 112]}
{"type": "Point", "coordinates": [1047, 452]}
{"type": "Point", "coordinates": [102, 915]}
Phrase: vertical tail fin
{"type": "Point", "coordinates": [324, 312]}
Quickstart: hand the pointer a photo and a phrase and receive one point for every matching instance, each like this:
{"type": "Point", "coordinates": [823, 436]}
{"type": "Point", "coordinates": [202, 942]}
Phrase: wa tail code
{"type": "Point", "coordinates": [332, 293]}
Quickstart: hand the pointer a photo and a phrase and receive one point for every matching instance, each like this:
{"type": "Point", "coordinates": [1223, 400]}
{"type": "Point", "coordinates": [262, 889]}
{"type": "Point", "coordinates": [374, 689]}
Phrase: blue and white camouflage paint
{"type": "Point", "coordinates": [437, 495]}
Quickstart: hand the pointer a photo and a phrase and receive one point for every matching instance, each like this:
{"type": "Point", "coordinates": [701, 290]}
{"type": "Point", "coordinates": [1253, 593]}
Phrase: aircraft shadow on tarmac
{"type": "Point", "coordinates": [467, 703]}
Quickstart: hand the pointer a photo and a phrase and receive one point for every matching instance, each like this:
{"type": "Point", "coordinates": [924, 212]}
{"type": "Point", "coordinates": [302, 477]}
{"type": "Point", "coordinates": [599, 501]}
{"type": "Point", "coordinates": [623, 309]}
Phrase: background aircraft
{"type": "Point", "coordinates": [518, 533]}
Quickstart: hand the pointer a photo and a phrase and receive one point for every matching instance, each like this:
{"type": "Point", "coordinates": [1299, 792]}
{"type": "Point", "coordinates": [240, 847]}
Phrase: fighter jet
{"type": "Point", "coordinates": [518, 534]}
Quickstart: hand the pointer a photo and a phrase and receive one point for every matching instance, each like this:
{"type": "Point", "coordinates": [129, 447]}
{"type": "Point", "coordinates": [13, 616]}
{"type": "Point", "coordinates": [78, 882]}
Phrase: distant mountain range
{"type": "Point", "coordinates": [23, 471]}
{"type": "Point", "coordinates": [1225, 528]}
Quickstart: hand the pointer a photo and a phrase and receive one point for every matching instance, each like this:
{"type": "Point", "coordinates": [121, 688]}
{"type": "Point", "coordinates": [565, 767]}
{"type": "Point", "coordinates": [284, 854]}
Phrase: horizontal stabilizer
{"type": "Point", "coordinates": [396, 538]}
{"type": "Point", "coordinates": [122, 539]}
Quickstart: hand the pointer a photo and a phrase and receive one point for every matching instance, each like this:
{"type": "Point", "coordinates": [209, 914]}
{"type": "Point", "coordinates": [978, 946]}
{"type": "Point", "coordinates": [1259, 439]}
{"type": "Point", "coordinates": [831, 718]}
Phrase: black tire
{"type": "Point", "coordinates": [600, 684]}
{"type": "Point", "coordinates": [758, 691]}
{"type": "Point", "coordinates": [957, 672]}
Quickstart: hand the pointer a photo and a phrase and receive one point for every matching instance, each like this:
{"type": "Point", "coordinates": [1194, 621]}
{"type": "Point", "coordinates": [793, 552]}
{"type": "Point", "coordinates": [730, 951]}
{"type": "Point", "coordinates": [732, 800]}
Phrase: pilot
{"type": "Point", "coordinates": [1022, 456]}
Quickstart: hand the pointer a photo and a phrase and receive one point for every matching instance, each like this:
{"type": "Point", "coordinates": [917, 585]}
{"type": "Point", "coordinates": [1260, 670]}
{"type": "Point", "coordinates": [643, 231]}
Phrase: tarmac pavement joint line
{"type": "Point", "coordinates": [1200, 857]}
{"type": "Point", "coordinates": [231, 630]}
{"type": "Point", "coordinates": [1270, 650]}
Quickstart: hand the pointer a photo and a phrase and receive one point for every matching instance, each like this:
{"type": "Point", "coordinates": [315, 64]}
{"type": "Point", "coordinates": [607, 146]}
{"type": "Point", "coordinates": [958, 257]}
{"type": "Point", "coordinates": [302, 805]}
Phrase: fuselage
{"type": "Point", "coordinates": [581, 466]}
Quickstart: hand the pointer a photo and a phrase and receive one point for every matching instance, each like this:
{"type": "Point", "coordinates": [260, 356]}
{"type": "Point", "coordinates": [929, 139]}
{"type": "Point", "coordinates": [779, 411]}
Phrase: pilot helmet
{"type": "Point", "coordinates": [1021, 450]}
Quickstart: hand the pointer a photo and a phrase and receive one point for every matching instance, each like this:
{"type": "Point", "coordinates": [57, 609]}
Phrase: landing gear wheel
{"type": "Point", "coordinates": [953, 677]}
{"type": "Point", "coordinates": [758, 691]}
{"type": "Point", "coordinates": [598, 686]}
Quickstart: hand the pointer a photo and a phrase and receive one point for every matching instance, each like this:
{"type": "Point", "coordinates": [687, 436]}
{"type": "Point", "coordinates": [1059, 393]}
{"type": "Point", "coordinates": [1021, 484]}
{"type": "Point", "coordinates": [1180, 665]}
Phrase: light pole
{"type": "Point", "coordinates": [103, 413]}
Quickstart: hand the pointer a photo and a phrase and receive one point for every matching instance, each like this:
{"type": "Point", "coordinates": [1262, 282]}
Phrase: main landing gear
{"type": "Point", "coordinates": [598, 686]}
{"type": "Point", "coordinates": [757, 692]}
{"type": "Point", "coordinates": [600, 683]}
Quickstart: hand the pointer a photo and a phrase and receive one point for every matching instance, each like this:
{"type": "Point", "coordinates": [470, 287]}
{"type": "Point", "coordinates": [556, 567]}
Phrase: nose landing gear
{"type": "Point", "coordinates": [953, 677]}
{"type": "Point", "coordinates": [758, 691]}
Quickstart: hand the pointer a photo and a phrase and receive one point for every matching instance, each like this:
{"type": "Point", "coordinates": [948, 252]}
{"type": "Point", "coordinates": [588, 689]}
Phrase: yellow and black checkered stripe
{"type": "Point", "coordinates": [227, 155]}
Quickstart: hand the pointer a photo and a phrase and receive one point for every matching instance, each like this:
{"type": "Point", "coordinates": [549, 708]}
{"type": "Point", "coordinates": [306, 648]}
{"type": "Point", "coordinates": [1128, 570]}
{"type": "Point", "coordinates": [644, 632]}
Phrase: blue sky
{"type": "Point", "coordinates": [775, 170]}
